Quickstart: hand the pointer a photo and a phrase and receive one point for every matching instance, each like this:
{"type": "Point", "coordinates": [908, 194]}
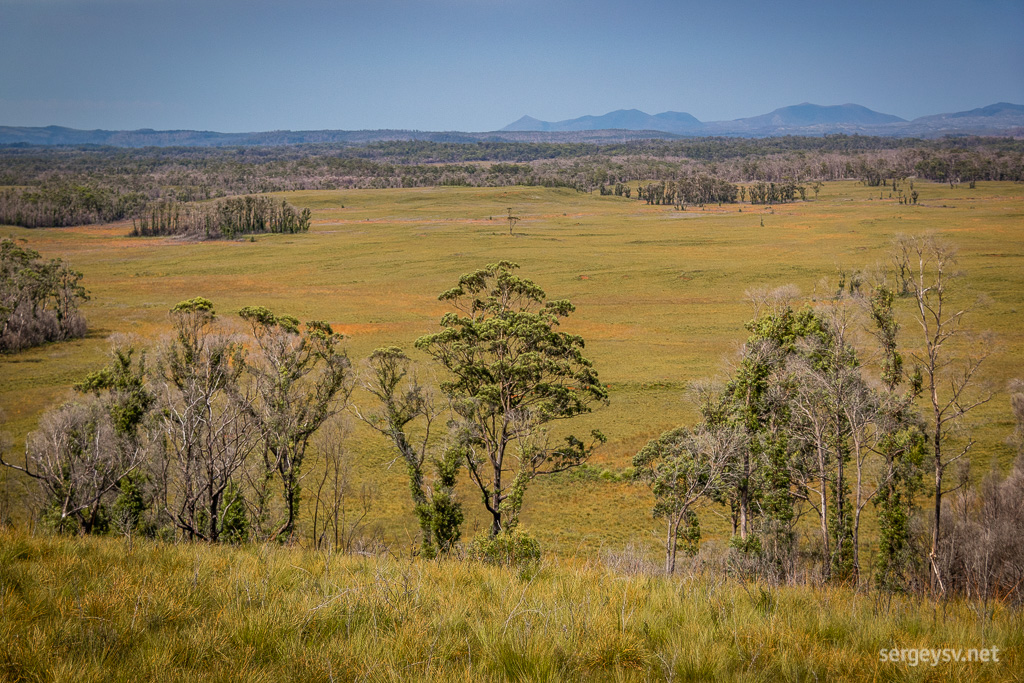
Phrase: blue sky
{"type": "Point", "coordinates": [249, 65]}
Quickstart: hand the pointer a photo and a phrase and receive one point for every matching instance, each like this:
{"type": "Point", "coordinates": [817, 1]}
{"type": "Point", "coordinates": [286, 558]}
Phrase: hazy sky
{"type": "Point", "coordinates": [250, 65]}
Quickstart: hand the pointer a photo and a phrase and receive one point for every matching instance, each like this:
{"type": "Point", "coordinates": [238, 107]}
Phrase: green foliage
{"type": "Point", "coordinates": [510, 373]}
{"type": "Point", "coordinates": [403, 401]}
{"type": "Point", "coordinates": [129, 399]}
{"type": "Point", "coordinates": [52, 519]}
{"type": "Point", "coordinates": [903, 446]}
{"type": "Point", "coordinates": [749, 546]}
{"type": "Point", "coordinates": [235, 518]}
{"type": "Point", "coordinates": [758, 480]}
{"type": "Point", "coordinates": [886, 331]}
{"type": "Point", "coordinates": [399, 407]}
{"type": "Point", "coordinates": [38, 299]}
{"type": "Point", "coordinates": [514, 549]}
{"type": "Point", "coordinates": [592, 474]}
{"type": "Point", "coordinates": [444, 515]}
{"type": "Point", "coordinates": [263, 317]}
{"type": "Point", "coordinates": [688, 533]}
{"type": "Point", "coordinates": [132, 505]}
{"type": "Point", "coordinates": [682, 469]}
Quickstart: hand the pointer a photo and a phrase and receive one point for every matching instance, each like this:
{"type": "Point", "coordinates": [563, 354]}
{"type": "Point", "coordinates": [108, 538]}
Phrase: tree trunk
{"type": "Point", "coordinates": [214, 514]}
{"type": "Point", "coordinates": [823, 513]}
{"type": "Point", "coordinates": [496, 501]}
{"type": "Point", "coordinates": [670, 547]}
{"type": "Point", "coordinates": [933, 555]}
{"type": "Point", "coordinates": [745, 496]}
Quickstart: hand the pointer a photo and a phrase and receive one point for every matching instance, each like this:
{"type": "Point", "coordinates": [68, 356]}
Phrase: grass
{"type": "Point", "coordinates": [660, 298]}
{"type": "Point", "coordinates": [95, 609]}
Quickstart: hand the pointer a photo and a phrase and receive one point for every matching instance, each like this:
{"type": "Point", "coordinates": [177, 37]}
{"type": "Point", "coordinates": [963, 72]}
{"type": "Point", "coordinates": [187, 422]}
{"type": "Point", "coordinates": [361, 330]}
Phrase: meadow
{"type": "Point", "coordinates": [660, 297]}
{"type": "Point", "coordinates": [102, 609]}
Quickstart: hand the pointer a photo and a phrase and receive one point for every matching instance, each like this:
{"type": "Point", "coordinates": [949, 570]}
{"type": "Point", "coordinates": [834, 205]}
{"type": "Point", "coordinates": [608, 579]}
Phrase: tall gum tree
{"type": "Point", "coordinates": [300, 379]}
{"type": "Point", "coordinates": [511, 373]}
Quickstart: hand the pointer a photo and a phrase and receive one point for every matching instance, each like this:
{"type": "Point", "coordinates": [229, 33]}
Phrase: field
{"type": "Point", "coordinates": [660, 297]}
{"type": "Point", "coordinates": [94, 609]}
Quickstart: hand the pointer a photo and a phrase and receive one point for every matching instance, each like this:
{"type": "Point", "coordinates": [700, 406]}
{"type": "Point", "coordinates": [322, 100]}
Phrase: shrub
{"type": "Point", "coordinates": [515, 549]}
{"type": "Point", "coordinates": [38, 299]}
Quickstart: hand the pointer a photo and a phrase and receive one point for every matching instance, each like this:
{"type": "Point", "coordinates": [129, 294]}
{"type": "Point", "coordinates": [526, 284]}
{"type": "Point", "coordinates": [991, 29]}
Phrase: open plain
{"type": "Point", "coordinates": [660, 296]}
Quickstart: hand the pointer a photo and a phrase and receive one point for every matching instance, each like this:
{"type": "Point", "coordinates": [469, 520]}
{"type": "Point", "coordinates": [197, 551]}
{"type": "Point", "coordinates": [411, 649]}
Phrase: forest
{"type": "Point", "coordinates": [59, 186]}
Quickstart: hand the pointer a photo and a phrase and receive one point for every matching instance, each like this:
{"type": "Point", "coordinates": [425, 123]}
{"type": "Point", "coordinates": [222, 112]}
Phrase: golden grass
{"type": "Point", "coordinates": [92, 609]}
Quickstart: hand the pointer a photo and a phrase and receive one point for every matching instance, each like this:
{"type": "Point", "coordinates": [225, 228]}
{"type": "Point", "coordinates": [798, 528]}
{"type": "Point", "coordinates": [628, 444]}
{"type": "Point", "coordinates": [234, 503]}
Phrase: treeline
{"type": "Point", "coordinates": [209, 435]}
{"type": "Point", "coordinates": [774, 193]}
{"type": "Point", "coordinates": [38, 299]}
{"type": "Point", "coordinates": [226, 218]}
{"type": "Point", "coordinates": [62, 186]}
{"type": "Point", "coordinates": [697, 190]}
{"type": "Point", "coordinates": [801, 432]}
{"type": "Point", "coordinates": [63, 204]}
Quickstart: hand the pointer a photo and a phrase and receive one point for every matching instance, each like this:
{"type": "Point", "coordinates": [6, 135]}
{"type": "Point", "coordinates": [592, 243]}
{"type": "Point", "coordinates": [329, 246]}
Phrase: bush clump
{"type": "Point", "coordinates": [38, 299]}
{"type": "Point", "coordinates": [515, 549]}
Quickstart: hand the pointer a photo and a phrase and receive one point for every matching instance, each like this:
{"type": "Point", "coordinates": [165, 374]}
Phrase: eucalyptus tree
{"type": "Point", "coordinates": [900, 444]}
{"type": "Point", "coordinates": [927, 267]}
{"type": "Point", "coordinates": [38, 299]}
{"type": "Point", "coordinates": [300, 378]}
{"type": "Point", "coordinates": [84, 450]}
{"type": "Point", "coordinates": [406, 414]}
{"type": "Point", "coordinates": [511, 374]}
{"type": "Point", "coordinates": [204, 418]}
{"type": "Point", "coordinates": [78, 461]}
{"type": "Point", "coordinates": [684, 468]}
{"type": "Point", "coordinates": [835, 417]}
{"type": "Point", "coordinates": [758, 478]}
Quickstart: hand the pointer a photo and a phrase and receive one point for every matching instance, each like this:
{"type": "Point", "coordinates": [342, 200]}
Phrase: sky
{"type": "Point", "coordinates": [478, 65]}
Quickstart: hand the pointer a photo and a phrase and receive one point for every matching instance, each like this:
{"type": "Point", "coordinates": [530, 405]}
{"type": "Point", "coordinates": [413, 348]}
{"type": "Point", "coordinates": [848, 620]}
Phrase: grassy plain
{"type": "Point", "coordinates": [99, 609]}
{"type": "Point", "coordinates": [660, 297]}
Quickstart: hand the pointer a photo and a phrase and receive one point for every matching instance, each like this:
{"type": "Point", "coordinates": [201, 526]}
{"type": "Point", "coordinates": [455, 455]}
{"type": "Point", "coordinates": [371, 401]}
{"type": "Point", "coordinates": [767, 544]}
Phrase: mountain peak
{"type": "Point", "coordinates": [620, 119]}
{"type": "Point", "coordinates": [526, 123]}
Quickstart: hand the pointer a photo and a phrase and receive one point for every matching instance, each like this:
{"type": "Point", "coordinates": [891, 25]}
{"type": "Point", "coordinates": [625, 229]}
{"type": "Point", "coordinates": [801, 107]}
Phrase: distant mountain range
{"type": "Point", "coordinates": [801, 119]}
{"type": "Point", "coordinates": [625, 124]}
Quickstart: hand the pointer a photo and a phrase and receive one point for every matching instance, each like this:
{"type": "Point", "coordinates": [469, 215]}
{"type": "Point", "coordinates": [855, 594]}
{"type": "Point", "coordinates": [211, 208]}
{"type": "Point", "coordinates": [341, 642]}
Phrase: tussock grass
{"type": "Point", "coordinates": [92, 609]}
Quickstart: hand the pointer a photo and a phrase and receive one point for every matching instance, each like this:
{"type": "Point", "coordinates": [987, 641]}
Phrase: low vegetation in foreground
{"type": "Point", "coordinates": [88, 608]}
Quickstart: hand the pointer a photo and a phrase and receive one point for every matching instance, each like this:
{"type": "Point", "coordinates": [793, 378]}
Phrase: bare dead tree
{"type": "Point", "coordinates": [77, 458]}
{"type": "Point", "coordinates": [341, 507]}
{"type": "Point", "coordinates": [205, 420]}
{"type": "Point", "coordinates": [512, 220]}
{"type": "Point", "coordinates": [950, 370]}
